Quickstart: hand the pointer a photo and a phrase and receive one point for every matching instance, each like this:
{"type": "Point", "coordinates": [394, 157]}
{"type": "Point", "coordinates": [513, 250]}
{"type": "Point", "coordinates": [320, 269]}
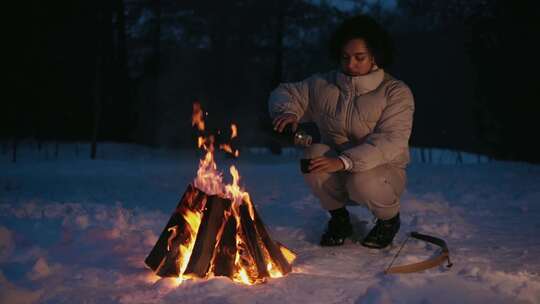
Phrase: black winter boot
{"type": "Point", "coordinates": [383, 233]}
{"type": "Point", "coordinates": [339, 227]}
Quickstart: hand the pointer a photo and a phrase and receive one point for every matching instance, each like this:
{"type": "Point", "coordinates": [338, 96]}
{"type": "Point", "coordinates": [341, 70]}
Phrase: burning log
{"type": "Point", "coordinates": [273, 249]}
{"type": "Point", "coordinates": [226, 252]}
{"type": "Point", "coordinates": [215, 229]}
{"type": "Point", "coordinates": [212, 236]}
{"type": "Point", "coordinates": [193, 199]}
{"type": "Point", "coordinates": [252, 241]}
{"type": "Point", "coordinates": [210, 231]}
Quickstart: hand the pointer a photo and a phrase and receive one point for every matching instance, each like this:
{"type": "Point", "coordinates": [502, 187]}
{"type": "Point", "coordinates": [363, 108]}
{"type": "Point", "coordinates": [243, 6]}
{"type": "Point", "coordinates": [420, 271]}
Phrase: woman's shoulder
{"type": "Point", "coordinates": [394, 85]}
{"type": "Point", "coordinates": [323, 79]}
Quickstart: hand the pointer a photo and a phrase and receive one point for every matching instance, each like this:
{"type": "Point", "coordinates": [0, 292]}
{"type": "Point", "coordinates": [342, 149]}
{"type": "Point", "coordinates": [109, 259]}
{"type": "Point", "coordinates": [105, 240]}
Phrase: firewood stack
{"type": "Point", "coordinates": [209, 235]}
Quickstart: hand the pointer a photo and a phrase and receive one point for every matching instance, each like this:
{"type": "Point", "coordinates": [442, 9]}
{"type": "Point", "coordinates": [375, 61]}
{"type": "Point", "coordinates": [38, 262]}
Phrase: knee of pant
{"type": "Point", "coordinates": [371, 189]}
{"type": "Point", "coordinates": [316, 150]}
{"type": "Point", "coordinates": [314, 179]}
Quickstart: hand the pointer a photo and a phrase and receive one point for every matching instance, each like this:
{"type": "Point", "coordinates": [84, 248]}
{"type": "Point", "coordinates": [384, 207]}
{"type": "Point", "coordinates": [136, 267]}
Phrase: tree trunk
{"type": "Point", "coordinates": [56, 148]}
{"type": "Point", "coordinates": [121, 31]}
{"type": "Point", "coordinates": [98, 84]}
{"type": "Point", "coordinates": [155, 69]}
{"type": "Point", "coordinates": [459, 159]}
{"type": "Point", "coordinates": [122, 97]}
{"type": "Point", "coordinates": [280, 30]}
{"type": "Point", "coordinates": [14, 155]}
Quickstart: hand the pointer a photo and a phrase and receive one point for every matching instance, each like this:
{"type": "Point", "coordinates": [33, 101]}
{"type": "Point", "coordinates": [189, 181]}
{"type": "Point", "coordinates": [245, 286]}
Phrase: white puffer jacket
{"type": "Point", "coordinates": [368, 118]}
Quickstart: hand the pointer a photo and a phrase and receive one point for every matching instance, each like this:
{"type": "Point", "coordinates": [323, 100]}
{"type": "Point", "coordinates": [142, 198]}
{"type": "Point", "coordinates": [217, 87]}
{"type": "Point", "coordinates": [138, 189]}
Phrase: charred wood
{"type": "Point", "coordinates": [273, 250]}
{"type": "Point", "coordinates": [226, 251]}
{"type": "Point", "coordinates": [210, 230]}
{"type": "Point", "coordinates": [248, 228]}
{"type": "Point", "coordinates": [192, 197]}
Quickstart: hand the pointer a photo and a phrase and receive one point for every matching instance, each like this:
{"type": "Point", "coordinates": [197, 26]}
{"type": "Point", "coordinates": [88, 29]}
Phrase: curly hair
{"type": "Point", "coordinates": [377, 39]}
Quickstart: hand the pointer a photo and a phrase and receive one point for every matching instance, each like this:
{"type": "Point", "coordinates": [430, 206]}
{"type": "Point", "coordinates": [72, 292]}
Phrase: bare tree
{"type": "Point", "coordinates": [98, 84]}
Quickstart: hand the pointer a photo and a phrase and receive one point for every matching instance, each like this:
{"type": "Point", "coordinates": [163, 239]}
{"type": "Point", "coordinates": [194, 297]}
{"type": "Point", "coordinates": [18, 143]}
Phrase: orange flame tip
{"type": "Point", "coordinates": [234, 131]}
{"type": "Point", "coordinates": [227, 148]}
{"type": "Point", "coordinates": [197, 117]}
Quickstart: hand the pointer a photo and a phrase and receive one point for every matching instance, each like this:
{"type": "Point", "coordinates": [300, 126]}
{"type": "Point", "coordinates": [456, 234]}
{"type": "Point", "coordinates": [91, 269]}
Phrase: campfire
{"type": "Point", "coordinates": [215, 229]}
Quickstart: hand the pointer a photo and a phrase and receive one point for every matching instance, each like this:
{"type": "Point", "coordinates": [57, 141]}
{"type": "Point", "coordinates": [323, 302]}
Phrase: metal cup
{"type": "Point", "coordinates": [302, 139]}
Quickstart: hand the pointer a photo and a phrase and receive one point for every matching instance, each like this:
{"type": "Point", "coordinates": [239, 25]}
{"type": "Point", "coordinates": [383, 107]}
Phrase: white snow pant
{"type": "Point", "coordinates": [379, 189]}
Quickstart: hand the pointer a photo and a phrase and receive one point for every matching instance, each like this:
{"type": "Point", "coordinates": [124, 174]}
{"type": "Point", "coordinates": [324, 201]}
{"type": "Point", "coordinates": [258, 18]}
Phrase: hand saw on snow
{"type": "Point", "coordinates": [429, 263]}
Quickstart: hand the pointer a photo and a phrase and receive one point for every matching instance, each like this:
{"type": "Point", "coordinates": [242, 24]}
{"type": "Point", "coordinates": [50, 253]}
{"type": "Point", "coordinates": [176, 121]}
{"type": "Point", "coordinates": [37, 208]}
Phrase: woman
{"type": "Point", "coordinates": [365, 119]}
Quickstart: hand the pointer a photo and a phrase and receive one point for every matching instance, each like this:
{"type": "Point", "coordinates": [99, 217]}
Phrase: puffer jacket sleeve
{"type": "Point", "coordinates": [292, 98]}
{"type": "Point", "coordinates": [391, 134]}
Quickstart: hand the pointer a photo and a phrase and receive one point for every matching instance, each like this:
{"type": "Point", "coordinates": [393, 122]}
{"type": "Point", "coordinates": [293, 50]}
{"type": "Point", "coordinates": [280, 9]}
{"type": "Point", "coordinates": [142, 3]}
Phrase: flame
{"type": "Point", "coordinates": [177, 281]}
{"type": "Point", "coordinates": [241, 274]}
{"type": "Point", "coordinates": [235, 193]}
{"type": "Point", "coordinates": [273, 271]}
{"type": "Point", "coordinates": [193, 221]}
{"type": "Point", "coordinates": [243, 277]}
{"type": "Point", "coordinates": [210, 180]}
{"type": "Point", "coordinates": [151, 278]}
{"type": "Point", "coordinates": [226, 147]}
{"type": "Point", "coordinates": [198, 117]}
{"type": "Point", "coordinates": [251, 209]}
{"type": "Point", "coordinates": [289, 255]}
{"type": "Point", "coordinates": [234, 131]}
{"type": "Point", "coordinates": [271, 267]}
{"type": "Point", "coordinates": [200, 142]}
{"type": "Point", "coordinates": [171, 237]}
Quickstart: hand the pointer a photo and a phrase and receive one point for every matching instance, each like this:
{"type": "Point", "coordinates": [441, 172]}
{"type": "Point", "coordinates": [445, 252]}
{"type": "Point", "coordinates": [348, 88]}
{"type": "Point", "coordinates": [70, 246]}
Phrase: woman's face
{"type": "Point", "coordinates": [356, 59]}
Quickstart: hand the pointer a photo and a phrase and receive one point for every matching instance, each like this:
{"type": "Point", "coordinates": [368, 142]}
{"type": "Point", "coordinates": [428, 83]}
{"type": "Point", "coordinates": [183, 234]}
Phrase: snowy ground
{"type": "Point", "coordinates": [74, 230]}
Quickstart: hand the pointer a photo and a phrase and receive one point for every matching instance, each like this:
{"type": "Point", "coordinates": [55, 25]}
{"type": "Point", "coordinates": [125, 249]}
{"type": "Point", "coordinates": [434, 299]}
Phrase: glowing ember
{"type": "Point", "coordinates": [151, 278]}
{"type": "Point", "coordinates": [274, 272]}
{"type": "Point", "coordinates": [243, 277]}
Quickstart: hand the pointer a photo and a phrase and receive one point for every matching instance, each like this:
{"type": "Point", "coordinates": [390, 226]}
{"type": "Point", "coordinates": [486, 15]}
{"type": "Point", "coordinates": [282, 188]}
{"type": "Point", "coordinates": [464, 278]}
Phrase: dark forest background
{"type": "Point", "coordinates": [129, 70]}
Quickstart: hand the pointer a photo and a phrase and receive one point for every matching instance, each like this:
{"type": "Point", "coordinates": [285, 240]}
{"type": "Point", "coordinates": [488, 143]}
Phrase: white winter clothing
{"type": "Point", "coordinates": [367, 119]}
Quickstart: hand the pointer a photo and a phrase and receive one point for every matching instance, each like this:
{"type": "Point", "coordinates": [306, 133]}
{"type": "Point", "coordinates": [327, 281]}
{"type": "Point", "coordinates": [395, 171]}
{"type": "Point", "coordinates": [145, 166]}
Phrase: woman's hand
{"type": "Point", "coordinates": [281, 121]}
{"type": "Point", "coordinates": [326, 164]}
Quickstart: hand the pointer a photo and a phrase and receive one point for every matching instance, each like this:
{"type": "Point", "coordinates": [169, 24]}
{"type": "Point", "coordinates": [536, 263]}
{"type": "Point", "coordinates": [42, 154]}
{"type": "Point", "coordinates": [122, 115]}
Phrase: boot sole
{"type": "Point", "coordinates": [376, 246]}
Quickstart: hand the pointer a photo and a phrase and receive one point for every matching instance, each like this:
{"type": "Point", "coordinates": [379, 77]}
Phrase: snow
{"type": "Point", "coordinates": [75, 230]}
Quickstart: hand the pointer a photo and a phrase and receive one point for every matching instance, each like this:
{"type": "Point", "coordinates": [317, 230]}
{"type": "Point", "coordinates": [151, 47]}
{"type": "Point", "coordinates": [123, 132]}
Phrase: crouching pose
{"type": "Point", "coordinates": [365, 119]}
